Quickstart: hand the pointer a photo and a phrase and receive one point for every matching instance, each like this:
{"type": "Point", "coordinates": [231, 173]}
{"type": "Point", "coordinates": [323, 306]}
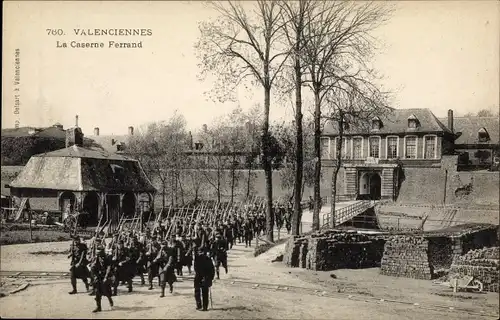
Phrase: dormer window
{"type": "Point", "coordinates": [376, 123]}
{"type": "Point", "coordinates": [413, 122]}
{"type": "Point", "coordinates": [483, 135]}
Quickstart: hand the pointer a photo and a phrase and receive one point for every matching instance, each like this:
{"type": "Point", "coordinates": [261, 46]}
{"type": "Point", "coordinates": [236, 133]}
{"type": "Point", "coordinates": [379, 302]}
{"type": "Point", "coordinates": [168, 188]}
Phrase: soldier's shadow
{"type": "Point", "coordinates": [235, 308]}
{"type": "Point", "coordinates": [132, 308]}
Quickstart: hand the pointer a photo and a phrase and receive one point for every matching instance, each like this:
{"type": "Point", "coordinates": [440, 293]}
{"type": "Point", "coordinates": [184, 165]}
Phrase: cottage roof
{"type": "Point", "coordinates": [83, 169]}
{"type": "Point", "coordinates": [395, 122]}
{"type": "Point", "coordinates": [461, 230]}
{"type": "Point", "coordinates": [470, 126]}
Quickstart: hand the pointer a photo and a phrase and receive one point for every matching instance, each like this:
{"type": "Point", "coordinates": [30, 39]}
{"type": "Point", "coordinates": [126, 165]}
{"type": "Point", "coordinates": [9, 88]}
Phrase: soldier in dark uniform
{"type": "Point", "coordinates": [166, 262]}
{"type": "Point", "coordinates": [247, 232]}
{"type": "Point", "coordinates": [152, 266]}
{"type": "Point", "coordinates": [138, 259]}
{"type": "Point", "coordinates": [177, 247]}
{"type": "Point", "coordinates": [78, 269]}
{"type": "Point", "coordinates": [188, 254]}
{"type": "Point", "coordinates": [101, 268]}
{"type": "Point", "coordinates": [204, 276]}
{"type": "Point", "coordinates": [219, 253]}
{"type": "Point", "coordinates": [122, 270]}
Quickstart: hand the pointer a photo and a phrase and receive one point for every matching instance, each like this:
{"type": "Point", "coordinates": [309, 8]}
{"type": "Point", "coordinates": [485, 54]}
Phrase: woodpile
{"type": "Point", "coordinates": [482, 264]}
{"type": "Point", "coordinates": [333, 250]}
{"type": "Point", "coordinates": [406, 256]}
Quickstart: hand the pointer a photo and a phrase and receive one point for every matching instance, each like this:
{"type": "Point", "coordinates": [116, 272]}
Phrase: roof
{"type": "Point", "coordinates": [461, 230]}
{"type": "Point", "coordinates": [469, 127]}
{"type": "Point", "coordinates": [395, 122]}
{"type": "Point", "coordinates": [83, 169]}
{"type": "Point", "coordinates": [85, 152]}
{"type": "Point", "coordinates": [109, 142]}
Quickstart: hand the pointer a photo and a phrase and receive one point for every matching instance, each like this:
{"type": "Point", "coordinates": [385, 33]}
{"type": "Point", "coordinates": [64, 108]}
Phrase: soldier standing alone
{"type": "Point", "coordinates": [204, 275]}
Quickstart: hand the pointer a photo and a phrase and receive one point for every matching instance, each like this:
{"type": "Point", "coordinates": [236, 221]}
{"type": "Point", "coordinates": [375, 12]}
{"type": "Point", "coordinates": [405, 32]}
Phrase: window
{"type": "Point", "coordinates": [411, 148]}
{"type": "Point", "coordinates": [357, 148]}
{"type": "Point", "coordinates": [412, 122]}
{"type": "Point", "coordinates": [374, 147]}
{"type": "Point", "coordinates": [430, 147]}
{"type": "Point", "coordinates": [344, 147]}
{"type": "Point", "coordinates": [325, 150]}
{"type": "Point", "coordinates": [376, 123]}
{"type": "Point", "coordinates": [392, 147]}
{"type": "Point", "coordinates": [482, 135]}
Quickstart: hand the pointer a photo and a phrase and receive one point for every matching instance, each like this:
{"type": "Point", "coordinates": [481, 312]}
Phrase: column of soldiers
{"type": "Point", "coordinates": [162, 253]}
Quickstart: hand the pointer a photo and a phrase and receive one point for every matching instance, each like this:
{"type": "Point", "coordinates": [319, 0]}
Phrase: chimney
{"type": "Point", "coordinates": [76, 121]}
{"type": "Point", "coordinates": [205, 128]}
{"type": "Point", "coordinates": [130, 131]}
{"type": "Point", "coordinates": [74, 136]}
{"type": "Point", "coordinates": [450, 120]}
{"type": "Point", "coordinates": [190, 140]}
{"type": "Point", "coordinates": [96, 131]}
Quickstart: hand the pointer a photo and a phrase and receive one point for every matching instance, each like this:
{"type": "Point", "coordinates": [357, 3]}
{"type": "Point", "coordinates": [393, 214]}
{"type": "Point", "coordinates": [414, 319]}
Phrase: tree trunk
{"type": "Point", "coordinates": [233, 178]}
{"type": "Point", "coordinates": [299, 150]}
{"type": "Point", "coordinates": [338, 164]}
{"type": "Point", "coordinates": [317, 153]}
{"type": "Point", "coordinates": [268, 170]}
{"type": "Point", "coordinates": [163, 195]}
{"type": "Point", "coordinates": [248, 180]}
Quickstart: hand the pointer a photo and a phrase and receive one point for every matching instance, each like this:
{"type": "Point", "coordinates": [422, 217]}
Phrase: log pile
{"type": "Point", "coordinates": [482, 264]}
{"type": "Point", "coordinates": [406, 256]}
{"type": "Point", "coordinates": [333, 250]}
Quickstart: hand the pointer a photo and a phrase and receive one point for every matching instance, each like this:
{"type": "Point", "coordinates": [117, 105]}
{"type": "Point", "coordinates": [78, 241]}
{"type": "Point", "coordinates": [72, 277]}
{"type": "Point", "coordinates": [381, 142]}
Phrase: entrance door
{"type": "Point", "coordinates": [375, 186]}
{"type": "Point", "coordinates": [113, 210]}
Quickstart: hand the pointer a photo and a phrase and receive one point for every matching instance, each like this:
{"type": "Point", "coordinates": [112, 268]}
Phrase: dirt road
{"type": "Point", "coordinates": [49, 298]}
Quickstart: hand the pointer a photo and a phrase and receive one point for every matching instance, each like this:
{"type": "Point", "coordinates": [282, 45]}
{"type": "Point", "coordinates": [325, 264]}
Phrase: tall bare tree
{"type": "Point", "coordinates": [238, 46]}
{"type": "Point", "coordinates": [337, 34]}
{"type": "Point", "coordinates": [352, 106]}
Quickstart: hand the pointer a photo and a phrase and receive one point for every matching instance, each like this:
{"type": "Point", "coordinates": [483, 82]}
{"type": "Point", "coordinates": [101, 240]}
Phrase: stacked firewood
{"type": "Point", "coordinates": [482, 264]}
{"type": "Point", "coordinates": [406, 256]}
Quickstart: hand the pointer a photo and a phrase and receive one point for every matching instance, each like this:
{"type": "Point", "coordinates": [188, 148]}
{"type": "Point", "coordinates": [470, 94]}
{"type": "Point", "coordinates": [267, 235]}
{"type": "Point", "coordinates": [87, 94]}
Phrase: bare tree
{"type": "Point", "coordinates": [161, 147]}
{"type": "Point", "coordinates": [351, 106]}
{"type": "Point", "coordinates": [337, 37]}
{"type": "Point", "coordinates": [238, 46]}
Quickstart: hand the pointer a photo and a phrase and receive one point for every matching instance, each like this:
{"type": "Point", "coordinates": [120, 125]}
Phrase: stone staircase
{"type": "Point", "coordinates": [343, 215]}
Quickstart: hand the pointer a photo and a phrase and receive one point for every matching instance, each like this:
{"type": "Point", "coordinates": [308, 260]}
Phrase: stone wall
{"type": "Point", "coordinates": [333, 250]}
{"type": "Point", "coordinates": [406, 256]}
{"type": "Point", "coordinates": [482, 264]}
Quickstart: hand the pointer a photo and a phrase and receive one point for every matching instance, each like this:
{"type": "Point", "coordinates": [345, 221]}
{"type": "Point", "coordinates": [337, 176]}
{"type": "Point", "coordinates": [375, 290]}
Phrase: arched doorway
{"type": "Point", "coordinates": [90, 210]}
{"type": "Point", "coordinates": [375, 186]}
{"type": "Point", "coordinates": [67, 202]}
{"type": "Point", "coordinates": [128, 205]}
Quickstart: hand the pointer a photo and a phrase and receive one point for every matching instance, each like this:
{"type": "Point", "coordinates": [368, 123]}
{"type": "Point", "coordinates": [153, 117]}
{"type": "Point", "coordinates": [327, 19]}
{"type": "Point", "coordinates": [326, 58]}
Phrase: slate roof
{"type": "Point", "coordinates": [109, 142]}
{"type": "Point", "coordinates": [469, 127]}
{"type": "Point", "coordinates": [83, 169]}
{"type": "Point", "coordinates": [395, 122]}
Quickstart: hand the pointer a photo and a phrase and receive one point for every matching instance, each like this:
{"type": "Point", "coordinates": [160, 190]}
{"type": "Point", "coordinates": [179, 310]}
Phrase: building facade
{"type": "Point", "coordinates": [372, 155]}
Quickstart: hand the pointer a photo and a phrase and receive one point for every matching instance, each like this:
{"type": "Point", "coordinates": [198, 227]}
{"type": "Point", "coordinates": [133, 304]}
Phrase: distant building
{"type": "Point", "coordinates": [372, 154]}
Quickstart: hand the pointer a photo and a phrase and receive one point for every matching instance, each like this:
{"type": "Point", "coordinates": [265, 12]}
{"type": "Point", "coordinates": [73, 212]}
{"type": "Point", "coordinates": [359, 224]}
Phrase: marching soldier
{"type": "Point", "coordinates": [204, 275]}
{"type": "Point", "coordinates": [101, 268]}
{"type": "Point", "coordinates": [247, 232]}
{"type": "Point", "coordinates": [121, 259]}
{"type": "Point", "coordinates": [137, 259]}
{"type": "Point", "coordinates": [78, 269]}
{"type": "Point", "coordinates": [152, 266]}
{"type": "Point", "coordinates": [188, 255]}
{"type": "Point", "coordinates": [166, 261]}
{"type": "Point", "coordinates": [219, 253]}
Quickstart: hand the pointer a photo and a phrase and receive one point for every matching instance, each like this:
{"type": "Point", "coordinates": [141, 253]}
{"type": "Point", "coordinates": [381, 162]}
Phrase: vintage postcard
{"type": "Point", "coordinates": [265, 159]}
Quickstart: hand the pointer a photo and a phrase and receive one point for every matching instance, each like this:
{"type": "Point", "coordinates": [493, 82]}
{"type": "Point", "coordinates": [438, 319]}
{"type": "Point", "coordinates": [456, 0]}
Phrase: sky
{"type": "Point", "coordinates": [439, 55]}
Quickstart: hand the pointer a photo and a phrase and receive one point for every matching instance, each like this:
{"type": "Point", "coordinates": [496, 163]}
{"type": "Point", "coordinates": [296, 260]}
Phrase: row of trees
{"type": "Point", "coordinates": [283, 47]}
{"type": "Point", "coordinates": [217, 162]}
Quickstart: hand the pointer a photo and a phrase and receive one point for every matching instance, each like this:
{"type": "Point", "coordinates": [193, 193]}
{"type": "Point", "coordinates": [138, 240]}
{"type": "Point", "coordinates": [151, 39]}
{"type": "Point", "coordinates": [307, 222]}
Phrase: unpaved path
{"type": "Point", "coordinates": [49, 299]}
